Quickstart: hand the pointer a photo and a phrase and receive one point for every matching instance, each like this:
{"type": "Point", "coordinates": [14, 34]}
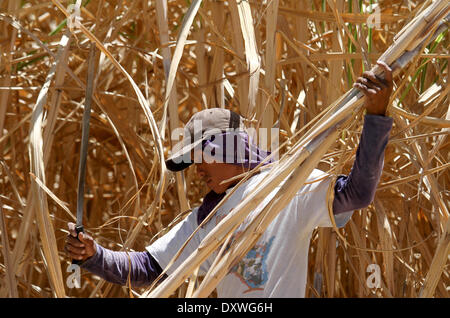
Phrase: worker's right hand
{"type": "Point", "coordinates": [81, 248]}
{"type": "Point", "coordinates": [376, 89]}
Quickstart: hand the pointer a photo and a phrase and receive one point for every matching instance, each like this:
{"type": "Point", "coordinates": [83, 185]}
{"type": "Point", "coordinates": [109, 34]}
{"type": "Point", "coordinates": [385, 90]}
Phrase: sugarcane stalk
{"type": "Point", "coordinates": [437, 265]}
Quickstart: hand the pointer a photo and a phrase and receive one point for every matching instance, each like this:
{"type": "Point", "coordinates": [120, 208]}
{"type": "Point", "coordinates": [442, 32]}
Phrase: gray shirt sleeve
{"type": "Point", "coordinates": [115, 267]}
{"type": "Point", "coordinates": [357, 190]}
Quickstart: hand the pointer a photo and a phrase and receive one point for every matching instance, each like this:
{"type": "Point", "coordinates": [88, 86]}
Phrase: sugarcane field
{"type": "Point", "coordinates": [110, 113]}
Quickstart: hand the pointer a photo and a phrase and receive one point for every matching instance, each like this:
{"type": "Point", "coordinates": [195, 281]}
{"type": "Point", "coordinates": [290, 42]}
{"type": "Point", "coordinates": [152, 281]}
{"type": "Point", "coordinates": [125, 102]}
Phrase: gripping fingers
{"type": "Point", "coordinates": [75, 248]}
{"type": "Point", "coordinates": [376, 80]}
{"type": "Point", "coordinates": [72, 229]}
{"type": "Point", "coordinates": [75, 253]}
{"type": "Point", "coordinates": [387, 72]}
{"type": "Point", "coordinates": [369, 84]}
{"type": "Point", "coordinates": [363, 88]}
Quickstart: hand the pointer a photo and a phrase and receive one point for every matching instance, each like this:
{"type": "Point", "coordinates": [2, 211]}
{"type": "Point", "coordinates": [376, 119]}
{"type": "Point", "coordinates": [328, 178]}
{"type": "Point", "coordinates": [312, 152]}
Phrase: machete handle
{"type": "Point", "coordinates": [78, 229]}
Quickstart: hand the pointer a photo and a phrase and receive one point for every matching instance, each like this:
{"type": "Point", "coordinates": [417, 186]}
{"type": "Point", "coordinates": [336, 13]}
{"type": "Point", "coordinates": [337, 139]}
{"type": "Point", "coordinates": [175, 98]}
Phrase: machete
{"type": "Point", "coordinates": [84, 143]}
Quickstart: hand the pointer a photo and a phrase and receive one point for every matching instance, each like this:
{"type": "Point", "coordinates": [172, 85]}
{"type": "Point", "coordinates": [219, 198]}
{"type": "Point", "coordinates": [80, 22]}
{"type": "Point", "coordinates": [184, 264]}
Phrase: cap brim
{"type": "Point", "coordinates": [182, 159]}
{"type": "Point", "coordinates": [175, 167]}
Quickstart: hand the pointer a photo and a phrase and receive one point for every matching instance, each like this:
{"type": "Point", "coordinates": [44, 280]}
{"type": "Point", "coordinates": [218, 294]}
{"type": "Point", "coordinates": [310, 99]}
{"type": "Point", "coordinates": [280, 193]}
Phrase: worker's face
{"type": "Point", "coordinates": [214, 173]}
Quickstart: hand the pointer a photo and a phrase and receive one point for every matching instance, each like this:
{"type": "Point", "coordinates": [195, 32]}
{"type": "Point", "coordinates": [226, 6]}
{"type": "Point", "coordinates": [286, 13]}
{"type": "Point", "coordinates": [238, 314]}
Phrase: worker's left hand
{"type": "Point", "coordinates": [376, 89]}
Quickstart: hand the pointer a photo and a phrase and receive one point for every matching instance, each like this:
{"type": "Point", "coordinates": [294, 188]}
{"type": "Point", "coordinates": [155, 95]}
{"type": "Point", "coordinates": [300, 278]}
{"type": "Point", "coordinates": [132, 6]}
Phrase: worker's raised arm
{"type": "Point", "coordinates": [357, 190]}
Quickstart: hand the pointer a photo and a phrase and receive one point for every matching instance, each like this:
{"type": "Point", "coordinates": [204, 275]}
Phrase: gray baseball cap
{"type": "Point", "coordinates": [201, 126]}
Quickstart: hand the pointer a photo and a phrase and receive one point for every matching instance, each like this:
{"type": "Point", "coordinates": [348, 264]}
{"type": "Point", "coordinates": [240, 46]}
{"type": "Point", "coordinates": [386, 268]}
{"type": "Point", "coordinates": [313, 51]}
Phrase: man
{"type": "Point", "coordinates": [277, 265]}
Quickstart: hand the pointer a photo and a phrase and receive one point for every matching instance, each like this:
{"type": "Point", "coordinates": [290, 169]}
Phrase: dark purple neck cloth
{"type": "Point", "coordinates": [209, 203]}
